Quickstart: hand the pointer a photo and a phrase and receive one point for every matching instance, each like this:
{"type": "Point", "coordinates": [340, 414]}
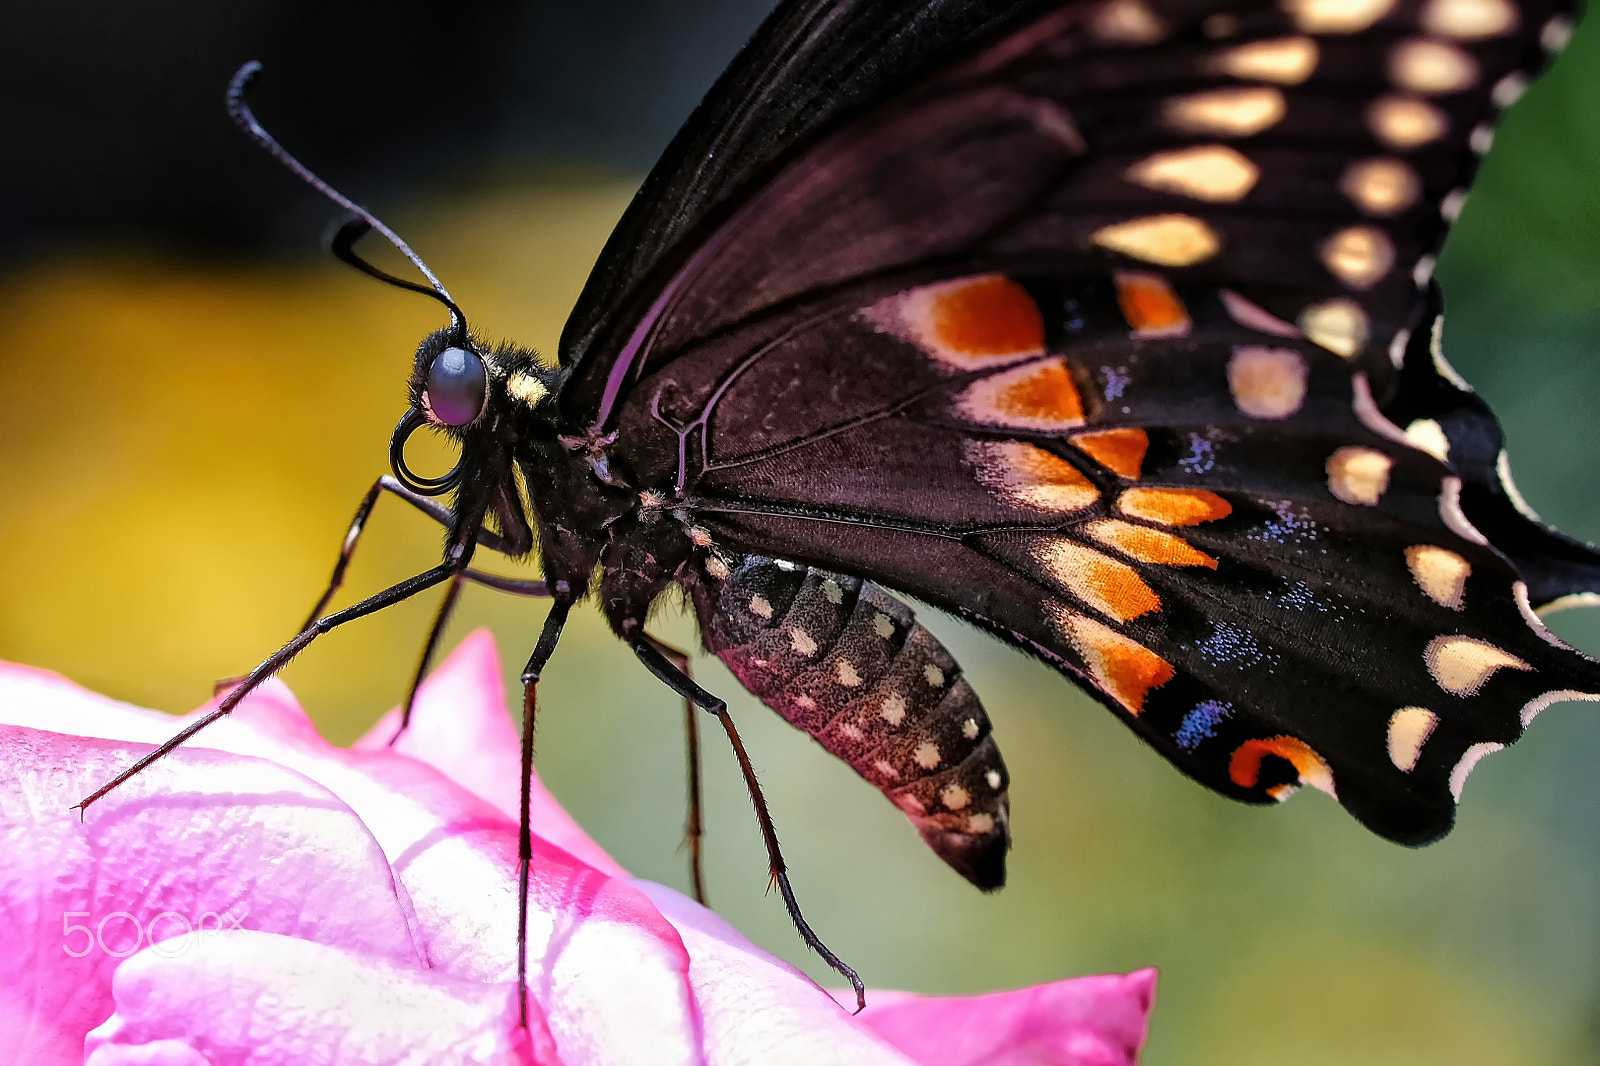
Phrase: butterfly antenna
{"type": "Point", "coordinates": [352, 231]}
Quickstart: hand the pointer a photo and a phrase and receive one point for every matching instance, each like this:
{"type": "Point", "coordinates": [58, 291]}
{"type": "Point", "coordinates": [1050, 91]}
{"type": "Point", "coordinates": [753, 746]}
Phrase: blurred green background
{"type": "Point", "coordinates": [192, 411]}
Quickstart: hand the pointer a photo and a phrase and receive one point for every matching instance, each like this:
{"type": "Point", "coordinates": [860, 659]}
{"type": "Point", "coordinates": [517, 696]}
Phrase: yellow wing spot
{"type": "Point", "coordinates": [1358, 475]}
{"type": "Point", "coordinates": [1403, 122]}
{"type": "Point", "coordinates": [1113, 588]}
{"type": "Point", "coordinates": [1120, 451]}
{"type": "Point", "coordinates": [1431, 67]}
{"type": "Point", "coordinates": [1409, 729]}
{"type": "Point", "coordinates": [844, 672]}
{"type": "Point", "coordinates": [1440, 573]}
{"type": "Point", "coordinates": [980, 823]}
{"type": "Point", "coordinates": [927, 755]}
{"type": "Point", "coordinates": [1336, 16]}
{"type": "Point", "coordinates": [1029, 475]}
{"type": "Point", "coordinates": [1359, 256]}
{"type": "Point", "coordinates": [1245, 766]}
{"type": "Point", "coordinates": [933, 675]}
{"type": "Point", "coordinates": [1147, 545]}
{"type": "Point", "coordinates": [802, 642]}
{"type": "Point", "coordinates": [1469, 20]}
{"type": "Point", "coordinates": [1462, 664]}
{"type": "Point", "coordinates": [1267, 382]}
{"type": "Point", "coordinates": [1381, 186]}
{"type": "Point", "coordinates": [1173, 507]}
{"type": "Point", "coordinates": [1150, 306]}
{"type": "Point", "coordinates": [1284, 61]}
{"type": "Point", "coordinates": [954, 797]}
{"type": "Point", "coordinates": [1469, 761]}
{"type": "Point", "coordinates": [1212, 172]}
{"type": "Point", "coordinates": [1126, 22]}
{"type": "Point", "coordinates": [1041, 395]}
{"type": "Point", "coordinates": [1340, 326]}
{"type": "Point", "coordinates": [968, 323]}
{"type": "Point", "coordinates": [1165, 240]}
{"type": "Point", "coordinates": [1427, 435]}
{"type": "Point", "coordinates": [1121, 668]}
{"type": "Point", "coordinates": [893, 709]}
{"type": "Point", "coordinates": [1236, 112]}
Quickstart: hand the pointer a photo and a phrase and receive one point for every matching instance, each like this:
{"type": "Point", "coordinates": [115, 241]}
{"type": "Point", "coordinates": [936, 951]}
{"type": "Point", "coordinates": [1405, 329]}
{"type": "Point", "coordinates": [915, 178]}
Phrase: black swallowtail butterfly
{"type": "Point", "coordinates": [1107, 325]}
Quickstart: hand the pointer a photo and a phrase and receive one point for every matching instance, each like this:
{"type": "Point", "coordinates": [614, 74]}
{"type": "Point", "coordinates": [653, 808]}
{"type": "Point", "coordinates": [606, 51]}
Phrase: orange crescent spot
{"type": "Point", "coordinates": [1245, 767]}
{"type": "Point", "coordinates": [1026, 473]}
{"type": "Point", "coordinates": [1122, 668]}
{"type": "Point", "coordinates": [1048, 394]}
{"type": "Point", "coordinates": [1147, 545]}
{"type": "Point", "coordinates": [1120, 451]}
{"type": "Point", "coordinates": [990, 315]}
{"type": "Point", "coordinates": [1111, 587]}
{"type": "Point", "coordinates": [1174, 507]}
{"type": "Point", "coordinates": [1150, 306]}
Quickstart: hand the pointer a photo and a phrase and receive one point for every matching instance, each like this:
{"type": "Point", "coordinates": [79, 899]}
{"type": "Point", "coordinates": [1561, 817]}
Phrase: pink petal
{"type": "Point", "coordinates": [1085, 1021]}
{"type": "Point", "coordinates": [759, 1009]}
{"type": "Point", "coordinates": [460, 726]}
{"type": "Point", "coordinates": [200, 839]}
{"type": "Point", "coordinates": [258, 999]}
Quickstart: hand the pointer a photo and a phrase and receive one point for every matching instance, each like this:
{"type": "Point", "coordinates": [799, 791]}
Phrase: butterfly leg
{"type": "Point", "coordinates": [659, 665]}
{"type": "Point", "coordinates": [694, 830]}
{"type": "Point", "coordinates": [388, 597]}
{"type": "Point", "coordinates": [553, 623]}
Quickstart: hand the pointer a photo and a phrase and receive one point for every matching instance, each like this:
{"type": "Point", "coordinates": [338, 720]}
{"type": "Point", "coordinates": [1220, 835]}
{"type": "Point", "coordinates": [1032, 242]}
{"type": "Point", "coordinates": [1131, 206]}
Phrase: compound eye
{"type": "Point", "coordinates": [457, 385]}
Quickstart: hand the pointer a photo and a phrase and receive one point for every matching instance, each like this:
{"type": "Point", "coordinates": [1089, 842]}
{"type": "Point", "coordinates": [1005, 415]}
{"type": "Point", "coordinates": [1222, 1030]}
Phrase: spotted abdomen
{"type": "Point", "coordinates": [845, 661]}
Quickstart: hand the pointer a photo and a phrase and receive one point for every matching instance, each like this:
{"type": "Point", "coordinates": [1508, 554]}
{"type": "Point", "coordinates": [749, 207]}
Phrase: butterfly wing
{"type": "Point", "coordinates": [1115, 338]}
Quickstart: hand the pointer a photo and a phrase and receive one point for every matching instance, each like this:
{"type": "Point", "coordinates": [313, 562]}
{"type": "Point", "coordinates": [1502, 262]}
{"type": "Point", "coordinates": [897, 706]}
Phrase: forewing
{"type": "Point", "coordinates": [1114, 339]}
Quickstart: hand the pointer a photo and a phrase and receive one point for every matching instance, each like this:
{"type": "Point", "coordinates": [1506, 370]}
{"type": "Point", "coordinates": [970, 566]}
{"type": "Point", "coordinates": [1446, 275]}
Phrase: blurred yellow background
{"type": "Point", "coordinates": [185, 440]}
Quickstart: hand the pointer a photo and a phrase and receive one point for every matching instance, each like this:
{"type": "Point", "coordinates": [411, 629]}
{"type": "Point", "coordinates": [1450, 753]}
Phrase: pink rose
{"type": "Point", "coordinates": [270, 899]}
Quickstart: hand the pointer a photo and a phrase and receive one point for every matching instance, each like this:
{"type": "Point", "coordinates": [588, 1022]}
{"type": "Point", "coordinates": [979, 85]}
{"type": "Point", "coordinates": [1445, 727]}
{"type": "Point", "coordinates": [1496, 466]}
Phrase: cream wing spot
{"type": "Point", "coordinates": [1336, 16]}
{"type": "Point", "coordinates": [1359, 256]}
{"type": "Point", "coordinates": [889, 772]}
{"type": "Point", "coordinates": [760, 607]}
{"type": "Point", "coordinates": [1029, 475]}
{"type": "Point", "coordinates": [1555, 34]}
{"type": "Point", "coordinates": [1404, 123]}
{"type": "Point", "coordinates": [933, 675]}
{"type": "Point", "coordinates": [883, 625]}
{"type": "Point", "coordinates": [1431, 67]}
{"type": "Point", "coordinates": [893, 709]}
{"type": "Point", "coordinates": [1461, 665]}
{"type": "Point", "coordinates": [927, 755]}
{"type": "Point", "coordinates": [969, 729]}
{"type": "Point", "coordinates": [1239, 112]}
{"type": "Point", "coordinates": [1286, 61]}
{"type": "Point", "coordinates": [1409, 729]}
{"type": "Point", "coordinates": [1212, 172]}
{"type": "Point", "coordinates": [1440, 573]}
{"type": "Point", "coordinates": [980, 823]}
{"type": "Point", "coordinates": [1469, 761]}
{"type": "Point", "coordinates": [954, 797]}
{"type": "Point", "coordinates": [1469, 19]}
{"type": "Point", "coordinates": [1166, 240]}
{"type": "Point", "coordinates": [1381, 186]}
{"type": "Point", "coordinates": [802, 642]}
{"type": "Point", "coordinates": [831, 591]}
{"type": "Point", "coordinates": [1127, 22]}
{"type": "Point", "coordinates": [717, 567]}
{"type": "Point", "coordinates": [992, 779]}
{"type": "Point", "coordinates": [845, 673]}
{"type": "Point", "coordinates": [1339, 325]}
{"type": "Point", "coordinates": [1358, 475]}
{"type": "Point", "coordinates": [852, 731]}
{"type": "Point", "coordinates": [1427, 435]}
{"type": "Point", "coordinates": [1268, 383]}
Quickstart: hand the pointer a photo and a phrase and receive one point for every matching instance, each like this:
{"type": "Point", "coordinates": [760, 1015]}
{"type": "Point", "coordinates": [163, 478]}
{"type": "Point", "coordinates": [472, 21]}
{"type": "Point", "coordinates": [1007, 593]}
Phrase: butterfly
{"type": "Point", "coordinates": [1106, 325]}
